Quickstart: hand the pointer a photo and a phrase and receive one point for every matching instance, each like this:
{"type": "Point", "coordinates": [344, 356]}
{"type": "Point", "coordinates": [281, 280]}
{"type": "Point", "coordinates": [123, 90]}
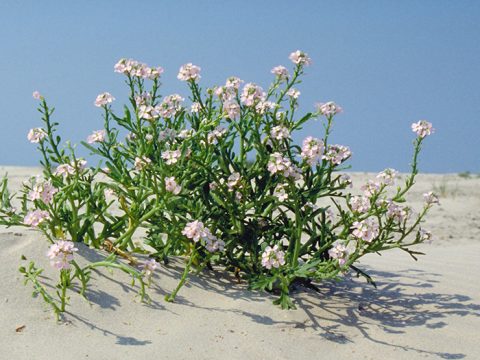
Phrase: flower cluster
{"type": "Point", "coordinates": [61, 254]}
{"type": "Point", "coordinates": [328, 108]}
{"type": "Point", "coordinates": [360, 204]}
{"type": "Point", "coordinates": [279, 132]}
{"type": "Point", "coordinates": [43, 191]}
{"type": "Point", "coordinates": [104, 99]}
{"type": "Point", "coordinates": [273, 257]}
{"type": "Point", "coordinates": [36, 217]}
{"type": "Point", "coordinates": [336, 154]}
{"type": "Point", "coordinates": [280, 164]}
{"type": "Point", "coordinates": [312, 150]}
{"type": "Point", "coordinates": [171, 156]}
{"type": "Point", "coordinates": [216, 134]}
{"type": "Point", "coordinates": [97, 136]}
{"type": "Point", "coordinates": [252, 94]}
{"type": "Point", "coordinates": [423, 128]}
{"type": "Point", "coordinates": [141, 163]}
{"type": "Point", "coordinates": [172, 186]}
{"type": "Point", "coordinates": [341, 251]}
{"type": "Point", "coordinates": [430, 198]}
{"type": "Point", "coordinates": [137, 69]}
{"type": "Point", "coordinates": [387, 176]}
{"type": "Point", "coordinates": [148, 267]}
{"type": "Point", "coordinates": [66, 170]}
{"type": "Point", "coordinates": [197, 231]}
{"type": "Point", "coordinates": [36, 135]}
{"type": "Point", "coordinates": [367, 230]}
{"type": "Point", "coordinates": [189, 72]}
{"type": "Point", "coordinates": [281, 72]}
{"type": "Point", "coordinates": [170, 106]}
{"type": "Point", "coordinates": [300, 58]}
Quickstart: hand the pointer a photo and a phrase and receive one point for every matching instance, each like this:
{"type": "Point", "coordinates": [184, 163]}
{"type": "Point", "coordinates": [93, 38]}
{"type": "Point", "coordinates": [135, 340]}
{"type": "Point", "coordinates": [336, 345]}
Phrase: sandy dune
{"type": "Point", "coordinates": [424, 309]}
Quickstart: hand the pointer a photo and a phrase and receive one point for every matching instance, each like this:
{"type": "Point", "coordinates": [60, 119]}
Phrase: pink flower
{"type": "Point", "coordinates": [81, 164]}
{"type": "Point", "coordinates": [279, 164]}
{"type": "Point", "coordinates": [328, 108]}
{"type": "Point", "coordinates": [279, 132]}
{"type": "Point", "coordinates": [189, 72]}
{"type": "Point", "coordinates": [36, 135]}
{"type": "Point", "coordinates": [232, 109]}
{"type": "Point", "coordinates": [345, 180]}
{"type": "Point", "coordinates": [167, 134]}
{"type": "Point", "coordinates": [262, 107]}
{"type": "Point", "coordinates": [367, 230]}
{"type": "Point", "coordinates": [300, 58]}
{"type": "Point", "coordinates": [312, 150]}
{"type": "Point", "coordinates": [273, 257]}
{"type": "Point", "coordinates": [170, 106]}
{"type": "Point", "coordinates": [252, 94]}
{"type": "Point", "coordinates": [280, 71]}
{"type": "Point", "coordinates": [147, 112]}
{"type": "Point", "coordinates": [104, 99]}
{"type": "Point", "coordinates": [69, 169]}
{"type": "Point", "coordinates": [195, 107]}
{"type": "Point", "coordinates": [186, 133]}
{"type": "Point", "coordinates": [148, 267]}
{"type": "Point", "coordinates": [423, 128]}
{"type": "Point", "coordinates": [43, 191]}
{"type": "Point", "coordinates": [36, 217]}
{"type": "Point", "coordinates": [216, 134]}
{"type": "Point", "coordinates": [233, 181]}
{"type": "Point", "coordinates": [141, 162]}
{"type": "Point", "coordinates": [387, 176]}
{"type": "Point", "coordinates": [171, 156]}
{"type": "Point", "coordinates": [195, 230]}
{"type": "Point", "coordinates": [342, 251]}
{"type": "Point", "coordinates": [293, 93]}
{"type": "Point", "coordinates": [360, 204]}
{"type": "Point", "coordinates": [172, 186]}
{"type": "Point", "coordinates": [430, 198]}
{"type": "Point", "coordinates": [61, 254]}
{"type": "Point", "coordinates": [233, 83]}
{"type": "Point", "coordinates": [337, 154]}
{"type": "Point", "coordinates": [143, 99]}
{"type": "Point", "coordinates": [137, 69]}
{"type": "Point", "coordinates": [108, 193]}
{"type": "Point", "coordinates": [97, 136]}
{"type": "Point", "coordinates": [64, 170]}
{"type": "Point", "coordinates": [396, 212]}
{"type": "Point", "coordinates": [154, 73]}
{"type": "Point", "coordinates": [213, 244]}
{"type": "Point", "coordinates": [280, 192]}
{"type": "Point", "coordinates": [370, 188]}
{"type": "Point", "coordinates": [425, 235]}
{"type": "Point", "coordinates": [37, 96]}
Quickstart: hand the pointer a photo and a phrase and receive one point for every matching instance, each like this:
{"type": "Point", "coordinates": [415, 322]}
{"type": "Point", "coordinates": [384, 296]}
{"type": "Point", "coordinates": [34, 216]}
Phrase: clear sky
{"type": "Point", "coordinates": [387, 63]}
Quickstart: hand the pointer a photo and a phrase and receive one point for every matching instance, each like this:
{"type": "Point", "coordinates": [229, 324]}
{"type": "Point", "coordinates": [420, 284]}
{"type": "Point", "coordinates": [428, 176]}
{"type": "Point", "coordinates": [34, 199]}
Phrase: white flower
{"type": "Point", "coordinates": [172, 186]}
{"type": "Point", "coordinates": [273, 257]}
{"type": "Point", "coordinates": [104, 99]}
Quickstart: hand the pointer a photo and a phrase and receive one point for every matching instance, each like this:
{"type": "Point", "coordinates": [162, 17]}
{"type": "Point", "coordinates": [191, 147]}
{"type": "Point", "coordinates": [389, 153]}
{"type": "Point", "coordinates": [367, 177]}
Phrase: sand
{"type": "Point", "coordinates": [424, 309]}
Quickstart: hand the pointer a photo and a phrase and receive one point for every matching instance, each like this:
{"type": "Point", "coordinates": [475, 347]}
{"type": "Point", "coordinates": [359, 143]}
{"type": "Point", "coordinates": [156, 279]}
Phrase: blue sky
{"type": "Point", "coordinates": [386, 63]}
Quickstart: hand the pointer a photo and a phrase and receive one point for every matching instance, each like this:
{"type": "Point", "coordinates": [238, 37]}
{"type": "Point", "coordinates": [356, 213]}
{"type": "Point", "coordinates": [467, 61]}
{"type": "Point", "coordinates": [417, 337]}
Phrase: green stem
{"type": "Point", "coordinates": [171, 297]}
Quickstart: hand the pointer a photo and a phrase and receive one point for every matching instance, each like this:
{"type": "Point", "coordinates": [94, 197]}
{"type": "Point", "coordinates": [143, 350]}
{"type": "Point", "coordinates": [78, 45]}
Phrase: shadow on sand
{"type": "Point", "coordinates": [401, 301]}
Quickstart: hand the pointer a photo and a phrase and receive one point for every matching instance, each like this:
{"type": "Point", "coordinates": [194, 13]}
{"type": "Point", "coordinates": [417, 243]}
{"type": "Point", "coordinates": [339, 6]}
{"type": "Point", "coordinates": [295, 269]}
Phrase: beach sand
{"type": "Point", "coordinates": [421, 309]}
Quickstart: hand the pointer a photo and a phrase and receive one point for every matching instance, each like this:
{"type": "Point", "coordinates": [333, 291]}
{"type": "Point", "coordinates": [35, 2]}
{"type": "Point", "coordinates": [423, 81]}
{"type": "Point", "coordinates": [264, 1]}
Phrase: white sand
{"type": "Point", "coordinates": [424, 309]}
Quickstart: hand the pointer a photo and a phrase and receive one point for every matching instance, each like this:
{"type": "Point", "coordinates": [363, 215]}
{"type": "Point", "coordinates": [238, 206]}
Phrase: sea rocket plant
{"type": "Point", "coordinates": [216, 178]}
